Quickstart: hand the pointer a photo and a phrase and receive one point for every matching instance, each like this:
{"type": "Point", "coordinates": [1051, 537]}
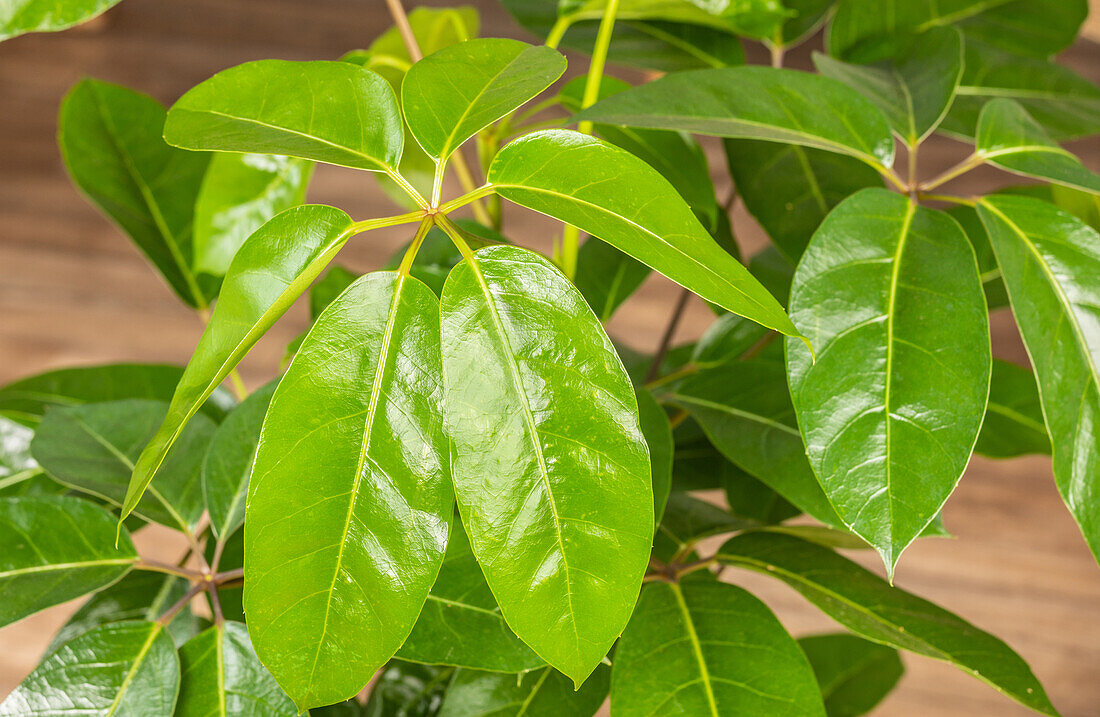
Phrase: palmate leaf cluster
{"type": "Point", "coordinates": [457, 484]}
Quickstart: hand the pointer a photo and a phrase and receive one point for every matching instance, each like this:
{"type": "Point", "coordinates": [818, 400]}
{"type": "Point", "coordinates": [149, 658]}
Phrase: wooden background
{"type": "Point", "coordinates": [73, 291]}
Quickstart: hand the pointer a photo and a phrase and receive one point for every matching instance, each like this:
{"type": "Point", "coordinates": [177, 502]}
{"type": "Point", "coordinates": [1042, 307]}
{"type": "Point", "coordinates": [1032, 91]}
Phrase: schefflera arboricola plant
{"type": "Point", "coordinates": [457, 488]}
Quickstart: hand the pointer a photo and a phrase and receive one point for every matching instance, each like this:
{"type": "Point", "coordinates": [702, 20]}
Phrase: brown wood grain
{"type": "Point", "coordinates": [73, 291]}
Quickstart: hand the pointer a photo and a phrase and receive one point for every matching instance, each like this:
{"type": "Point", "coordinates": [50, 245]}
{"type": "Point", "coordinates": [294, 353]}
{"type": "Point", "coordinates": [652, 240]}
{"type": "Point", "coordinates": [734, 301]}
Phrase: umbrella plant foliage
{"type": "Point", "coordinates": [457, 485]}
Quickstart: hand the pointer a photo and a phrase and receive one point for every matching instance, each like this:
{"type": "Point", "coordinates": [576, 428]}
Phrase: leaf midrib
{"type": "Point", "coordinates": [696, 648]}
{"type": "Point", "coordinates": [133, 669]}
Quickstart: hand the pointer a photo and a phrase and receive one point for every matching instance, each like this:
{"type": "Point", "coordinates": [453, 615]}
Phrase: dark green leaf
{"type": "Point", "coordinates": [334, 112]}
{"type": "Point", "coordinates": [808, 16]}
{"type": "Point", "coordinates": [708, 648]}
{"type": "Point", "coordinates": [227, 465]}
{"type": "Point", "coordinates": [349, 504]}
{"type": "Point", "coordinates": [221, 675]}
{"type": "Point", "coordinates": [110, 139]}
{"type": "Point", "coordinates": [541, 693]}
{"type": "Point", "coordinates": [606, 277]}
{"type": "Point", "coordinates": [239, 193]}
{"type": "Point", "coordinates": [451, 95]}
{"type": "Point", "coordinates": [1051, 265]}
{"type": "Point", "coordinates": [726, 341]}
{"type": "Point", "coordinates": [994, 288]}
{"type": "Point", "coordinates": [461, 624]}
{"type": "Point", "coordinates": [404, 689]}
{"type": "Point", "coordinates": [92, 448]}
{"type": "Point", "coordinates": [1013, 418]}
{"type": "Point", "coordinates": [631, 207]}
{"type": "Point", "coordinates": [54, 549]}
{"type": "Point", "coordinates": [267, 275]}
{"type": "Point", "coordinates": [325, 291]}
{"type": "Point", "coordinates": [914, 88]}
{"type": "Point", "coordinates": [871, 608]}
{"type": "Point", "coordinates": [774, 271]}
{"type": "Point", "coordinates": [21, 16]}
{"type": "Point", "coordinates": [756, 103]}
{"type": "Point", "coordinates": [751, 499]}
{"type": "Point", "coordinates": [658, 436]}
{"type": "Point", "coordinates": [688, 520]}
{"type": "Point", "coordinates": [891, 407]}
{"type": "Point", "coordinates": [790, 189]}
{"type": "Point", "coordinates": [854, 674]}
{"type": "Point", "coordinates": [1009, 138]}
{"type": "Point", "coordinates": [551, 471]}
{"type": "Point", "coordinates": [125, 668]}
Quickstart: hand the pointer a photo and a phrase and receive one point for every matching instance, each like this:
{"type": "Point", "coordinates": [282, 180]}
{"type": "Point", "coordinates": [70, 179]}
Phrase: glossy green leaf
{"type": "Point", "coordinates": [891, 407]}
{"type": "Point", "coordinates": [110, 139]}
{"type": "Point", "coordinates": [658, 437]}
{"type": "Point", "coordinates": [1009, 138]}
{"type": "Point", "coordinates": [854, 674]}
{"type": "Point", "coordinates": [220, 675]}
{"type": "Point", "coordinates": [606, 277]}
{"type": "Point", "coordinates": [551, 472]}
{"type": "Point", "coordinates": [125, 668]}
{"type": "Point", "coordinates": [631, 207]}
{"type": "Point", "coordinates": [403, 689]}
{"type": "Point", "coordinates": [16, 462]}
{"type": "Point", "coordinates": [349, 504]}
{"type": "Point", "coordinates": [227, 465]}
{"type": "Point", "coordinates": [1013, 417]}
{"type": "Point", "coordinates": [789, 189]}
{"type": "Point", "coordinates": [747, 414]}
{"type": "Point", "coordinates": [240, 193]}
{"type": "Point", "coordinates": [1064, 103]}
{"type": "Point", "coordinates": [756, 103]}
{"type": "Point", "coordinates": [54, 549]}
{"type": "Point", "coordinates": [708, 648]}
{"type": "Point", "coordinates": [871, 29]}
{"type": "Point", "coordinates": [27, 399]}
{"type": "Point", "coordinates": [461, 624]}
{"type": "Point", "coordinates": [21, 16]}
{"type": "Point", "coordinates": [868, 606]}
{"type": "Point", "coordinates": [541, 693]}
{"type": "Point", "coordinates": [915, 88]}
{"type": "Point", "coordinates": [92, 448]}
{"type": "Point", "coordinates": [141, 595]}
{"type": "Point", "coordinates": [333, 112]}
{"type": "Point", "coordinates": [1051, 265]}
{"type": "Point", "coordinates": [267, 275]}
{"type": "Point", "coordinates": [451, 95]}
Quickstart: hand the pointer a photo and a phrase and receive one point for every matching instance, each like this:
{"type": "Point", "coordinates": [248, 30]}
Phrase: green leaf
{"type": "Point", "coordinates": [687, 520]}
{"type": "Point", "coordinates": [451, 95]}
{"type": "Point", "coordinates": [551, 472]}
{"type": "Point", "coordinates": [221, 675]}
{"type": "Point", "coordinates": [708, 648]}
{"type": "Point", "coordinates": [333, 112]}
{"type": "Point", "coordinates": [631, 207]}
{"type": "Point", "coordinates": [809, 15]}
{"type": "Point", "coordinates": [461, 624]}
{"type": "Point", "coordinates": [891, 407]}
{"type": "Point", "coordinates": [658, 437]}
{"type": "Point", "coordinates": [125, 668]}
{"type": "Point", "coordinates": [141, 595]}
{"type": "Point", "coordinates": [746, 413]}
{"type": "Point", "coordinates": [1051, 265]}
{"type": "Point", "coordinates": [606, 277]}
{"type": "Point", "coordinates": [1013, 418]}
{"type": "Point", "coordinates": [726, 341]}
{"type": "Point", "coordinates": [751, 499]}
{"type": "Point", "coordinates": [869, 30]}
{"type": "Point", "coordinates": [1009, 138]}
{"type": "Point", "coordinates": [751, 18]}
{"type": "Point", "coordinates": [227, 465]}
{"type": "Point", "coordinates": [403, 689]}
{"type": "Point", "coordinates": [349, 504]}
{"type": "Point", "coordinates": [869, 607]}
{"type": "Point", "coordinates": [438, 254]}
{"type": "Point", "coordinates": [774, 271]}
{"type": "Point", "coordinates": [789, 189]}
{"type": "Point", "coordinates": [110, 139]}
{"type": "Point", "coordinates": [26, 400]}
{"type": "Point", "coordinates": [271, 270]}
{"type": "Point", "coordinates": [854, 674]}
{"type": "Point", "coordinates": [92, 448]}
{"type": "Point", "coordinates": [16, 462]}
{"type": "Point", "coordinates": [1064, 103]}
{"type": "Point", "coordinates": [994, 288]}
{"type": "Point", "coordinates": [541, 693]}
{"type": "Point", "coordinates": [54, 549]}
{"type": "Point", "coordinates": [325, 291]}
{"type": "Point", "coordinates": [21, 16]}
{"type": "Point", "coordinates": [778, 105]}
{"type": "Point", "coordinates": [240, 193]}
{"type": "Point", "coordinates": [915, 88]}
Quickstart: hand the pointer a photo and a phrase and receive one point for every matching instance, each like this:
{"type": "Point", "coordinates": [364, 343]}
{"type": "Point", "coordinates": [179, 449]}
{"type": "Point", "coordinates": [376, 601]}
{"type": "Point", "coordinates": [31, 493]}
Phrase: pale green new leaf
{"type": "Point", "coordinates": [617, 197]}
{"type": "Point", "coordinates": [349, 504]}
{"type": "Point", "coordinates": [22, 16]}
{"type": "Point", "coordinates": [891, 405]}
{"type": "Point", "coordinates": [551, 472]}
{"type": "Point", "coordinates": [273, 268]}
{"type": "Point", "coordinates": [709, 648]}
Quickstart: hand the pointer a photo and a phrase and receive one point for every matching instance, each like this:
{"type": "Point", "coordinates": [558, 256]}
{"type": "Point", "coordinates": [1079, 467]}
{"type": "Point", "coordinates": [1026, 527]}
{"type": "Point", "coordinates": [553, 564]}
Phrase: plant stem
{"type": "Point", "coordinates": [778, 51]}
{"type": "Point", "coordinates": [449, 227]}
{"type": "Point", "coordinates": [367, 224]}
{"type": "Point", "coordinates": [674, 376]}
{"type": "Point", "coordinates": [215, 604]}
{"type": "Point", "coordinates": [972, 162]}
{"type": "Point", "coordinates": [158, 567]}
{"type": "Point", "coordinates": [557, 32]}
{"type": "Point", "coordinates": [892, 177]}
{"type": "Point", "coordinates": [170, 613]}
{"type": "Point", "coordinates": [946, 198]}
{"type": "Point", "coordinates": [397, 11]}
{"type": "Point", "coordinates": [913, 151]}
{"type": "Point", "coordinates": [227, 576]}
{"type": "Point", "coordinates": [666, 338]}
{"type": "Point", "coordinates": [483, 190]}
{"type": "Point", "coordinates": [414, 247]}
{"type": "Point", "coordinates": [409, 189]}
